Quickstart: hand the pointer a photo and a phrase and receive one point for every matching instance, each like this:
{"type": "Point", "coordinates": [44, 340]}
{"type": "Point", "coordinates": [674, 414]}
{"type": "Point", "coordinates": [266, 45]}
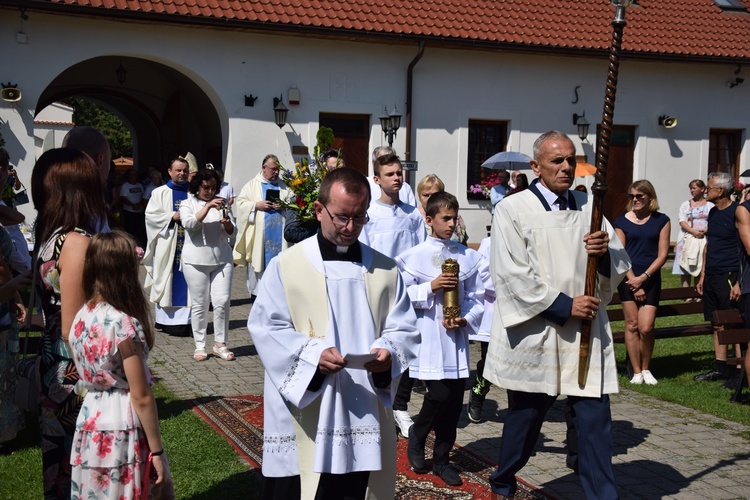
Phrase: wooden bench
{"type": "Point", "coordinates": [730, 330]}
{"type": "Point", "coordinates": [664, 310]}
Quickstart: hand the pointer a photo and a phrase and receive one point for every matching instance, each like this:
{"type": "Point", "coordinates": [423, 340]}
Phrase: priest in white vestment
{"type": "Point", "coordinates": [335, 330]}
{"type": "Point", "coordinates": [540, 245]}
{"type": "Point", "coordinates": [260, 221]}
{"type": "Point", "coordinates": [165, 283]}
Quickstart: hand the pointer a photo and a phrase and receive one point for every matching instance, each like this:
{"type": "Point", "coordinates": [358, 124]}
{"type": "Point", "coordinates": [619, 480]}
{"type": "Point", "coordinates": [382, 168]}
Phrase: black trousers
{"type": "Point", "coordinates": [440, 411]}
{"type": "Point", "coordinates": [352, 486]}
{"type": "Point", "coordinates": [403, 393]}
{"type": "Point", "coordinates": [523, 423]}
{"type": "Point", "coordinates": [483, 347]}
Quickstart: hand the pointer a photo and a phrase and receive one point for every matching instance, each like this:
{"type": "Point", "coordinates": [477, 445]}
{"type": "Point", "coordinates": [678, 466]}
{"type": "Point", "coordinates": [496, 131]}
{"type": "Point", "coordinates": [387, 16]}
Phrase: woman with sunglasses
{"type": "Point", "coordinates": [207, 261]}
{"type": "Point", "coordinates": [645, 234]}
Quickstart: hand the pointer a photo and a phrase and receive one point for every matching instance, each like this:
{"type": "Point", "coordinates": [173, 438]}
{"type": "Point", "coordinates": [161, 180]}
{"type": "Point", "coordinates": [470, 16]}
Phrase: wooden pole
{"type": "Point", "coordinates": [599, 187]}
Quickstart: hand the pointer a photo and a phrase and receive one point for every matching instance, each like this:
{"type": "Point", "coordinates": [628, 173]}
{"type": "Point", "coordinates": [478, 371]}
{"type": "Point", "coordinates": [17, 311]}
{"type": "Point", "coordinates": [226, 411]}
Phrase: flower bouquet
{"type": "Point", "coordinates": [304, 183]}
{"type": "Point", "coordinates": [484, 187]}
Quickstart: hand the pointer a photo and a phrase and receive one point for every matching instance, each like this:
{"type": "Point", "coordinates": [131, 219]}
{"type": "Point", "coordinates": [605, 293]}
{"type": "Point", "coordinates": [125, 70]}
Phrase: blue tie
{"type": "Point", "coordinates": [562, 203]}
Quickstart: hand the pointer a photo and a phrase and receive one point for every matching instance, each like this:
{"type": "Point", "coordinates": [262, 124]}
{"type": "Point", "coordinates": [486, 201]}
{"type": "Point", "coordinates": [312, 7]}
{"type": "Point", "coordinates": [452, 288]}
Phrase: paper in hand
{"type": "Point", "coordinates": [358, 361]}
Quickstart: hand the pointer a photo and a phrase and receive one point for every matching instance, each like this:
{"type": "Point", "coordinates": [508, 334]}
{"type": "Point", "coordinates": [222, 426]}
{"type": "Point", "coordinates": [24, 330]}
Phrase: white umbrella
{"type": "Point", "coordinates": [508, 160]}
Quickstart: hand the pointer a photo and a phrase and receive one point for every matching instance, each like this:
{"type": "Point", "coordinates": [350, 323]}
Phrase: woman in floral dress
{"type": "Point", "coordinates": [118, 425]}
{"type": "Point", "coordinates": [65, 187]}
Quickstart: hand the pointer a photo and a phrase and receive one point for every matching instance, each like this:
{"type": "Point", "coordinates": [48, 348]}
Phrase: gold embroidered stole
{"type": "Point", "coordinates": [306, 295]}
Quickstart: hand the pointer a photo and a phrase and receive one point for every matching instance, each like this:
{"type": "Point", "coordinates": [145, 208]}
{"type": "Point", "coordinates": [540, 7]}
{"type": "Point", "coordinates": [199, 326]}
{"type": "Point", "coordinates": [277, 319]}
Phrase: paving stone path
{"type": "Point", "coordinates": [662, 450]}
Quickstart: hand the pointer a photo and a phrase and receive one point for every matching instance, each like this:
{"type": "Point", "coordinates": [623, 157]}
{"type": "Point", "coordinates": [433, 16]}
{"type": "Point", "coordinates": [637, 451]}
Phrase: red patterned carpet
{"type": "Point", "coordinates": [240, 420]}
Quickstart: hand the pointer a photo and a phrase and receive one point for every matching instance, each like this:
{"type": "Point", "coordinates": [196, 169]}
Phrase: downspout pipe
{"type": "Point", "coordinates": [409, 90]}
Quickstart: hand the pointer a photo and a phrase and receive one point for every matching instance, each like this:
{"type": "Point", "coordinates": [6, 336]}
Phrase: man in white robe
{"type": "Point", "coordinates": [260, 221]}
{"type": "Point", "coordinates": [328, 427]}
{"type": "Point", "coordinates": [540, 245]}
{"type": "Point", "coordinates": [165, 284]}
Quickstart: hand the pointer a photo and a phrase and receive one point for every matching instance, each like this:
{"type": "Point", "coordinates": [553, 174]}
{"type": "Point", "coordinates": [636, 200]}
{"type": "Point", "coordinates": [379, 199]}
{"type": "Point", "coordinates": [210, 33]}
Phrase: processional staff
{"type": "Point", "coordinates": [599, 187]}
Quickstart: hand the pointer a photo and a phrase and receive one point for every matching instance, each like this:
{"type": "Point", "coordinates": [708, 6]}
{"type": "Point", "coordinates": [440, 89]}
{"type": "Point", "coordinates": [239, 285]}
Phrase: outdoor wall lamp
{"type": "Point", "coordinates": [280, 111]}
{"type": "Point", "coordinates": [667, 121]}
{"type": "Point", "coordinates": [121, 73]}
{"type": "Point", "coordinates": [583, 125]}
{"type": "Point", "coordinates": [390, 123]}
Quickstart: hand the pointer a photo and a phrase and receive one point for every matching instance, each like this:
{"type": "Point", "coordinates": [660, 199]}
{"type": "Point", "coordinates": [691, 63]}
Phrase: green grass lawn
{"type": "Point", "coordinates": [204, 465]}
{"type": "Point", "coordinates": [676, 361]}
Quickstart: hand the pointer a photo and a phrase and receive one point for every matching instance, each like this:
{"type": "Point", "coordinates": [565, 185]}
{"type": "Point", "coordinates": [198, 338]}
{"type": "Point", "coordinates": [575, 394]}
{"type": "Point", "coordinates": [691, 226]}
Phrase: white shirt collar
{"type": "Point", "coordinates": [550, 197]}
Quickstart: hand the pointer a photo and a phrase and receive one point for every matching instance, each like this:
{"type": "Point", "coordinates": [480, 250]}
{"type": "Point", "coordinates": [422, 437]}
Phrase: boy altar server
{"type": "Point", "coordinates": [328, 430]}
{"type": "Point", "coordinates": [443, 358]}
{"type": "Point", "coordinates": [394, 227]}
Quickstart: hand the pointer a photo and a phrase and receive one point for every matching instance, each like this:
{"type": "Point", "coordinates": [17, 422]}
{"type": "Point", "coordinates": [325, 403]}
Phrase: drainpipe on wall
{"type": "Point", "coordinates": [409, 88]}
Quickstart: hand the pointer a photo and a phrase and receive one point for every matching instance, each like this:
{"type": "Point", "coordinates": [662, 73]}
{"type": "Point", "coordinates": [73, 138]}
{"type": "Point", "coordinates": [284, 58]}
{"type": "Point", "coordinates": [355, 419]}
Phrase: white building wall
{"type": "Point", "coordinates": [532, 92]}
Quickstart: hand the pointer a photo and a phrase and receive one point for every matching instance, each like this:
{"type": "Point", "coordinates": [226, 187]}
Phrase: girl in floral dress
{"type": "Point", "coordinates": [118, 427]}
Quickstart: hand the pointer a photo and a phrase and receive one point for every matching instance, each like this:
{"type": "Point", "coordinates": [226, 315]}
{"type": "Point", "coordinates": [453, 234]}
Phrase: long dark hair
{"type": "Point", "coordinates": [66, 189]}
{"type": "Point", "coordinates": [110, 274]}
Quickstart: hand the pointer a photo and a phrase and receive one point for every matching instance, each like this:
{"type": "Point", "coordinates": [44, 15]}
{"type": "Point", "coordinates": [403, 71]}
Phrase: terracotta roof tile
{"type": "Point", "coordinates": [655, 27]}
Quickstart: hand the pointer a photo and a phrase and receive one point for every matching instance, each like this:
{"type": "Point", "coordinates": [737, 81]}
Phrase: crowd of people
{"type": "Point", "coordinates": [338, 382]}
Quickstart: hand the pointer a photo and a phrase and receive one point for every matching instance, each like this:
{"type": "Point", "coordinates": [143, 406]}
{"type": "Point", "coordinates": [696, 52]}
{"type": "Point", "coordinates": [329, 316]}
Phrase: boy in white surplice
{"type": "Point", "coordinates": [331, 368]}
{"type": "Point", "coordinates": [443, 359]}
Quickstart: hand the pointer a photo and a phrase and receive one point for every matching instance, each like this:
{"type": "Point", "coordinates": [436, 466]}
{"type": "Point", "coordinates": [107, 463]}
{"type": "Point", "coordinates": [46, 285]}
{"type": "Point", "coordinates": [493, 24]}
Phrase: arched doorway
{"type": "Point", "coordinates": [167, 113]}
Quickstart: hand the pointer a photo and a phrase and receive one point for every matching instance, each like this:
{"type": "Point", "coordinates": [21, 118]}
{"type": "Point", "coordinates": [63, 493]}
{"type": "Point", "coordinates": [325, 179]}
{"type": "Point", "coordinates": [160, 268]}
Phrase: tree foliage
{"type": "Point", "coordinates": [90, 113]}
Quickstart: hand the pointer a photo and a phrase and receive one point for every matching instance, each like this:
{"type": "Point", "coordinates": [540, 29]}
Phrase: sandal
{"type": "Point", "coordinates": [224, 353]}
{"type": "Point", "coordinates": [200, 355]}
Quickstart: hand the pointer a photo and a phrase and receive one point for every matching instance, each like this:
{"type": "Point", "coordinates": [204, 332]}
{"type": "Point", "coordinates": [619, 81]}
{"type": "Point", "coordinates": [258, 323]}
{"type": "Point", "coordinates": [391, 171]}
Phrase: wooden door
{"type": "Point", "coordinates": [352, 136]}
{"type": "Point", "coordinates": [619, 171]}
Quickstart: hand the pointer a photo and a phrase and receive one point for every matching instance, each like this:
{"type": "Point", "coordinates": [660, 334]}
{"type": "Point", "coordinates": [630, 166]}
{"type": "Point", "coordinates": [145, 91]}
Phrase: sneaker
{"type": "Point", "coordinates": [415, 454]}
{"type": "Point", "coordinates": [637, 379]}
{"type": "Point", "coordinates": [648, 378]}
{"type": "Point", "coordinates": [474, 408]}
{"type": "Point", "coordinates": [447, 474]}
{"type": "Point", "coordinates": [403, 421]}
{"type": "Point", "coordinates": [711, 375]}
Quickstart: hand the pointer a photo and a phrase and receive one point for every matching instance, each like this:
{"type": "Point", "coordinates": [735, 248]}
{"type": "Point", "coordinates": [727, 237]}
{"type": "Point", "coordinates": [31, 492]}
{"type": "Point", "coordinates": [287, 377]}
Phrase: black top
{"type": "Point", "coordinates": [722, 241]}
{"type": "Point", "coordinates": [744, 260]}
{"type": "Point", "coordinates": [642, 240]}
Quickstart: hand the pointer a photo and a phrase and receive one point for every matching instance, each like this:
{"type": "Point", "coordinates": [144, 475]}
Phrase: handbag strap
{"type": "Point", "coordinates": [32, 296]}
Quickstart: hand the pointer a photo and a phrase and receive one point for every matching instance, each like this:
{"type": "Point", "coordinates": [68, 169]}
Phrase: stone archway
{"type": "Point", "coordinates": [167, 113]}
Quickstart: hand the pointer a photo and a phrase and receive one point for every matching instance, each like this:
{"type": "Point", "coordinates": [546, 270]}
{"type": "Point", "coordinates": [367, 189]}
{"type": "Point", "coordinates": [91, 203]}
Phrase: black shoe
{"type": "Point", "coordinates": [415, 453]}
{"type": "Point", "coordinates": [447, 474]}
{"type": "Point", "coordinates": [731, 382]}
{"type": "Point", "coordinates": [711, 376]}
{"type": "Point", "coordinates": [474, 408]}
{"type": "Point", "coordinates": [571, 461]}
